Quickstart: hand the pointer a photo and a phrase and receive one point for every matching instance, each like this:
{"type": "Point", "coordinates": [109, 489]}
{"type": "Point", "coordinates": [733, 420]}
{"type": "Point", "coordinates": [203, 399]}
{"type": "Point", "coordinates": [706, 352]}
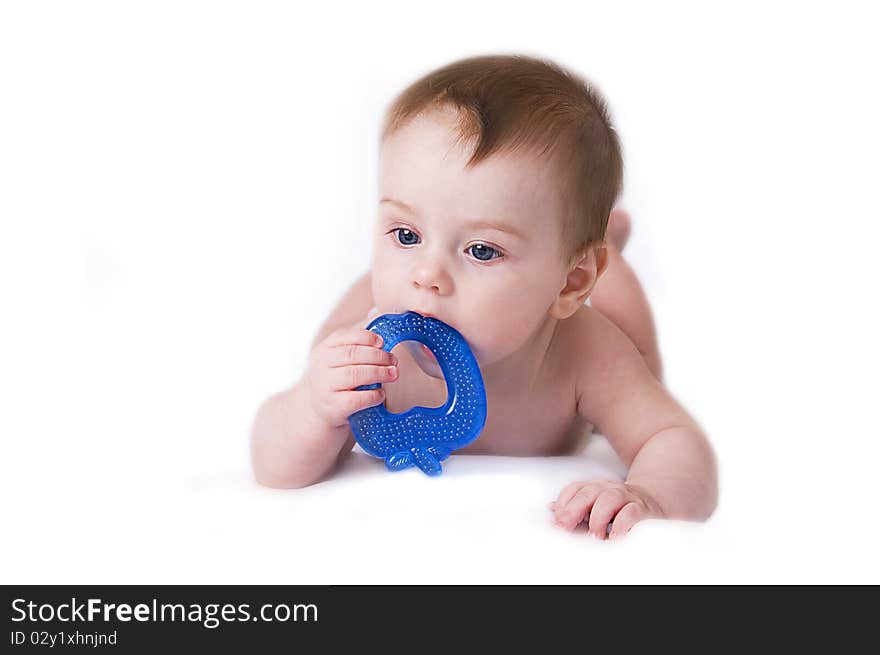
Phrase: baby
{"type": "Point", "coordinates": [497, 179]}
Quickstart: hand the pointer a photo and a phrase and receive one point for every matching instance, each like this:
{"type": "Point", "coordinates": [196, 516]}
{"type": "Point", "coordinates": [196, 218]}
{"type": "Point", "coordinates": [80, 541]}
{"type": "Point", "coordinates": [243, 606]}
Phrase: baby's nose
{"type": "Point", "coordinates": [432, 278]}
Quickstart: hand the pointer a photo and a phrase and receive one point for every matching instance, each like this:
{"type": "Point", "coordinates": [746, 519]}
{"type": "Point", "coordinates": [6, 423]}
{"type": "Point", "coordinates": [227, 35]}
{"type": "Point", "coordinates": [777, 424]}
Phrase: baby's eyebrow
{"type": "Point", "coordinates": [500, 227]}
{"type": "Point", "coordinates": [492, 225]}
{"type": "Point", "coordinates": [400, 204]}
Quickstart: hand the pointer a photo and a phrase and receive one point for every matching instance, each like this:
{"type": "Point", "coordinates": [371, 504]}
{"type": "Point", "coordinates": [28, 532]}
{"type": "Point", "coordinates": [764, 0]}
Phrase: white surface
{"type": "Point", "coordinates": [186, 190]}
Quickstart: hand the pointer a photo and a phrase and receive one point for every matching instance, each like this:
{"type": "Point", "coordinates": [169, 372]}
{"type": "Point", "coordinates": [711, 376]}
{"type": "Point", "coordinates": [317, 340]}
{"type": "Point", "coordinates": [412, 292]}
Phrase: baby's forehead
{"type": "Point", "coordinates": [508, 184]}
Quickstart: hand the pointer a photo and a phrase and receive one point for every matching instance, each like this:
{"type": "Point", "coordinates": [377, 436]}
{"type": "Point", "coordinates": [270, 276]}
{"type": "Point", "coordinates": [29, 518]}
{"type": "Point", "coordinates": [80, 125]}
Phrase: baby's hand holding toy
{"type": "Point", "coordinates": [423, 436]}
{"type": "Point", "coordinates": [345, 360]}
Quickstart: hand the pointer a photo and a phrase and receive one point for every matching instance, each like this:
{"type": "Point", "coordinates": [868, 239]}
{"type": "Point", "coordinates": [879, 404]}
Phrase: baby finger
{"type": "Point", "coordinates": [355, 401]}
{"type": "Point", "coordinates": [626, 518]}
{"type": "Point", "coordinates": [607, 504]}
{"type": "Point", "coordinates": [566, 495]}
{"type": "Point", "coordinates": [345, 355]}
{"type": "Point", "coordinates": [348, 378]}
{"type": "Point", "coordinates": [571, 514]}
{"type": "Point", "coordinates": [354, 335]}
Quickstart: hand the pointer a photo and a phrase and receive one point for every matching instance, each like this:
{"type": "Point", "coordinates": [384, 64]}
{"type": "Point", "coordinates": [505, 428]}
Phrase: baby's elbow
{"type": "Point", "coordinates": [275, 481]}
{"type": "Point", "coordinates": [708, 506]}
{"type": "Point", "coordinates": [709, 496]}
{"type": "Point", "coordinates": [697, 497]}
{"type": "Point", "coordinates": [268, 471]}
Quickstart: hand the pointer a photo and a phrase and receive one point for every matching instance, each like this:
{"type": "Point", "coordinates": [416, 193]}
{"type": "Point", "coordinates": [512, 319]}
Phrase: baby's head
{"type": "Point", "coordinates": [496, 178]}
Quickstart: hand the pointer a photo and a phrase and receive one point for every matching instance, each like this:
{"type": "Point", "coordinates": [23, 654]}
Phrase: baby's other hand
{"type": "Point", "coordinates": [609, 507]}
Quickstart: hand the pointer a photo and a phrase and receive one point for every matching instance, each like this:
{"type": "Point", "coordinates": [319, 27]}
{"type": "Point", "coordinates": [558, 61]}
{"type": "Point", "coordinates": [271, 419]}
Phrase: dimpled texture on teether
{"type": "Point", "coordinates": [425, 436]}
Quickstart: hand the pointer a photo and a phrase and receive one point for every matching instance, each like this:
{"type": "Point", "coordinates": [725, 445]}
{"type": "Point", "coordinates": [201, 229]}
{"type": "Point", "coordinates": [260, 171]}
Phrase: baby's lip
{"type": "Point", "coordinates": [434, 316]}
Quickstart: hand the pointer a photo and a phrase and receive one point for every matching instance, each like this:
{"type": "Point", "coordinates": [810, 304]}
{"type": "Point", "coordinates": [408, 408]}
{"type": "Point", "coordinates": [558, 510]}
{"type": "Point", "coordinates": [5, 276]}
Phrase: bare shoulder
{"type": "Point", "coordinates": [352, 306]}
{"type": "Point", "coordinates": [605, 358]}
{"type": "Point", "coordinates": [593, 338]}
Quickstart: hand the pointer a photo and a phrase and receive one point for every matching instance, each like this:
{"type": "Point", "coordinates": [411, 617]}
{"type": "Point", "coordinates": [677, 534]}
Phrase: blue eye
{"type": "Point", "coordinates": [483, 252]}
{"type": "Point", "coordinates": [407, 237]}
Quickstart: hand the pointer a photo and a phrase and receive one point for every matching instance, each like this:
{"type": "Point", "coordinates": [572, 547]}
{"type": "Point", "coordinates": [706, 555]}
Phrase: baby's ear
{"type": "Point", "coordinates": [580, 280]}
{"type": "Point", "coordinates": [601, 259]}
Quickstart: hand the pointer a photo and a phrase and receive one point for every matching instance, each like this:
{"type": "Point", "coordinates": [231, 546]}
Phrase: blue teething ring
{"type": "Point", "coordinates": [425, 436]}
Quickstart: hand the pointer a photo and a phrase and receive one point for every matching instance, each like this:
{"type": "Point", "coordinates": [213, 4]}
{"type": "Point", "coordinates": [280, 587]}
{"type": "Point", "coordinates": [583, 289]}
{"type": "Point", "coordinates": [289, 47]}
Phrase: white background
{"type": "Point", "coordinates": [186, 189]}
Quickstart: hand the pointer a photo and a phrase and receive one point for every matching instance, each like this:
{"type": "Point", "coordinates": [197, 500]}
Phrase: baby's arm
{"type": "Point", "coordinates": [290, 447]}
{"type": "Point", "coordinates": [672, 470]}
{"type": "Point", "coordinates": [292, 443]}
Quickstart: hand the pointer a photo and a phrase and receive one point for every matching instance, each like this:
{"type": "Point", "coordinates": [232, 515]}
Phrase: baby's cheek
{"type": "Point", "coordinates": [385, 294]}
{"type": "Point", "coordinates": [496, 338]}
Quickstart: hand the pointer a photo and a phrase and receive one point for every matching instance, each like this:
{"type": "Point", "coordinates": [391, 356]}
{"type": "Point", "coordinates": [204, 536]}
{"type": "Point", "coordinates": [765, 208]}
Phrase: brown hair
{"type": "Point", "coordinates": [514, 102]}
